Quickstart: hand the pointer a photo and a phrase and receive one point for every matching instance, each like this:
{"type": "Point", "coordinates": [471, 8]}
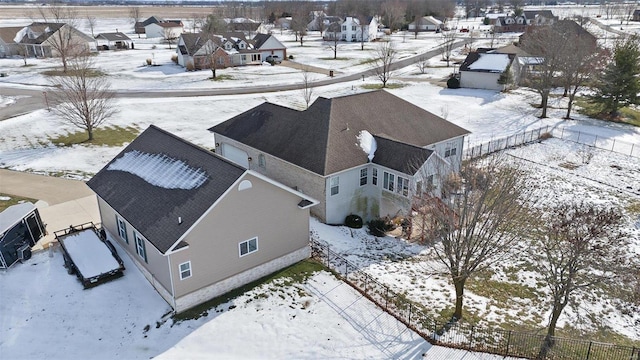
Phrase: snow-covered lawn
{"type": "Point", "coordinates": [511, 296]}
{"type": "Point", "coordinates": [124, 307]}
{"type": "Point", "coordinates": [47, 314]}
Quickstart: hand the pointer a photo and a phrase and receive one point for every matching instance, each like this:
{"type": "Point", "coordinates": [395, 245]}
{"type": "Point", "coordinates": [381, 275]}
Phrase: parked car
{"type": "Point", "coordinates": [464, 30]}
{"type": "Point", "coordinates": [273, 59]}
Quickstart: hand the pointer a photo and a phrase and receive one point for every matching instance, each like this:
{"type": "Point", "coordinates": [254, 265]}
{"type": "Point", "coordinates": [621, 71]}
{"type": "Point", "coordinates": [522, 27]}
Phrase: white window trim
{"type": "Point", "coordinates": [337, 185]}
{"type": "Point", "coordinates": [122, 229]}
{"type": "Point", "coordinates": [180, 271]}
{"type": "Point", "coordinates": [365, 177]}
{"type": "Point", "coordinates": [138, 242]}
{"type": "Point", "coordinates": [248, 251]}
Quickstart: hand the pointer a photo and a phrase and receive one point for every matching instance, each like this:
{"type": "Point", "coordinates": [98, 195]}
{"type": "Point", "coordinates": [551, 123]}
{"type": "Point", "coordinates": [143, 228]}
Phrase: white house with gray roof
{"type": "Point", "coordinates": [195, 224]}
{"type": "Point", "coordinates": [366, 154]}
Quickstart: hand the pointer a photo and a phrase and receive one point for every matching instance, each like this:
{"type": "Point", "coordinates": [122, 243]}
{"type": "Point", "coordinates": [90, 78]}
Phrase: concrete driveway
{"type": "Point", "coordinates": [61, 202]}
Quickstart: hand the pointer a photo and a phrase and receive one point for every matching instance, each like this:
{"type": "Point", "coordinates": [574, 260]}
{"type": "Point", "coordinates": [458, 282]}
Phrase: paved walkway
{"type": "Point", "coordinates": [49, 189]}
{"type": "Point", "coordinates": [62, 202]}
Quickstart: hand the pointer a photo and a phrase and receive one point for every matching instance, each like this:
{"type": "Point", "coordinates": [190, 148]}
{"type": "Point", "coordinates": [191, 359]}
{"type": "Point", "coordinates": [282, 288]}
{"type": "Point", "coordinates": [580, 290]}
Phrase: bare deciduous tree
{"type": "Point", "coordinates": [134, 17]}
{"type": "Point", "coordinates": [170, 35]}
{"type": "Point", "coordinates": [446, 45]}
{"type": "Point", "coordinates": [92, 22]}
{"type": "Point", "coordinates": [577, 246]}
{"type": "Point", "coordinates": [417, 24]}
{"type": "Point", "coordinates": [197, 21]}
{"type": "Point", "coordinates": [550, 51]}
{"type": "Point", "coordinates": [84, 99]}
{"type": "Point", "coordinates": [422, 64]}
{"type": "Point", "coordinates": [307, 88]}
{"type": "Point", "coordinates": [393, 11]}
{"type": "Point", "coordinates": [333, 36]}
{"type": "Point", "coordinates": [483, 218]}
{"type": "Point", "coordinates": [384, 56]}
{"type": "Point", "coordinates": [578, 68]}
{"type": "Point", "coordinates": [65, 42]}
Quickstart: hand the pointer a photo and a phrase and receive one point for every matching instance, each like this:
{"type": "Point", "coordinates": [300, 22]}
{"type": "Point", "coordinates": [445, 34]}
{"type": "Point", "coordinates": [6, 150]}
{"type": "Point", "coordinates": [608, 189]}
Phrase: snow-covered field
{"type": "Point", "coordinates": [112, 317]}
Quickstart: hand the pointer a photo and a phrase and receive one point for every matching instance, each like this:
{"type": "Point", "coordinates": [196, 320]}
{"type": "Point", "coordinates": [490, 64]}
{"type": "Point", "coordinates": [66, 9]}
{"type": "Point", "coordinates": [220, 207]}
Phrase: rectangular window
{"type": "Point", "coordinates": [334, 182]}
{"type": "Point", "coordinates": [344, 27]}
{"type": "Point", "coordinates": [388, 181]}
{"type": "Point", "coordinates": [374, 176]}
{"type": "Point", "coordinates": [122, 229]}
{"type": "Point", "coordinates": [403, 186]}
{"type": "Point", "coordinates": [363, 176]}
{"type": "Point", "coordinates": [249, 246]}
{"type": "Point", "coordinates": [353, 36]}
{"type": "Point", "coordinates": [220, 61]}
{"type": "Point", "coordinates": [261, 161]}
{"type": "Point", "coordinates": [450, 150]}
{"type": "Point", "coordinates": [353, 28]}
{"type": "Point", "coordinates": [243, 57]}
{"type": "Point", "coordinates": [140, 247]}
{"type": "Point", "coordinates": [185, 270]}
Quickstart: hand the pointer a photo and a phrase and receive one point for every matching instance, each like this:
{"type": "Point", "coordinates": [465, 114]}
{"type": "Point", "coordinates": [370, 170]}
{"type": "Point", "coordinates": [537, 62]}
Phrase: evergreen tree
{"type": "Point", "coordinates": [619, 84]}
{"type": "Point", "coordinates": [506, 78]}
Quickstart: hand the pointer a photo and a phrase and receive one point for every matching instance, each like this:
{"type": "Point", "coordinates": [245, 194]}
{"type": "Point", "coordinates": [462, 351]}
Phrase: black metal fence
{"type": "Point", "coordinates": [530, 136]}
{"type": "Point", "coordinates": [462, 335]}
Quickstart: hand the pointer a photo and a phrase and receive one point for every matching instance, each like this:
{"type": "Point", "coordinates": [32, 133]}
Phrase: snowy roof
{"type": "Point", "coordinates": [159, 178]}
{"type": "Point", "coordinates": [14, 214]}
{"type": "Point", "coordinates": [115, 36]}
{"type": "Point", "coordinates": [486, 62]}
{"type": "Point", "coordinates": [324, 138]}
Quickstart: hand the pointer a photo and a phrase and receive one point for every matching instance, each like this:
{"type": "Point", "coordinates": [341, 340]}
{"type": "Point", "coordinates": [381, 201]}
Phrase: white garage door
{"type": "Point", "coordinates": [236, 155]}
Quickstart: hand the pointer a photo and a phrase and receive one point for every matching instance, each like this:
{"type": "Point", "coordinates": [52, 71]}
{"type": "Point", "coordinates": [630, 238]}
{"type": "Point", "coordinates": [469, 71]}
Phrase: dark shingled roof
{"type": "Point", "coordinates": [115, 36]}
{"type": "Point", "coordinates": [154, 210]}
{"type": "Point", "coordinates": [399, 156]}
{"type": "Point", "coordinates": [323, 138]}
{"type": "Point", "coordinates": [260, 39]}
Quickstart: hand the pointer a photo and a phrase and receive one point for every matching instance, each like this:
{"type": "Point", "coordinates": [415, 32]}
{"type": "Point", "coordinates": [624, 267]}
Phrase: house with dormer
{"type": "Point", "coordinates": [510, 23]}
{"type": "Point", "coordinates": [195, 224]}
{"type": "Point", "coordinates": [231, 49]}
{"type": "Point", "coordinates": [43, 39]}
{"type": "Point", "coordinates": [366, 154]}
{"type": "Point", "coordinates": [353, 31]}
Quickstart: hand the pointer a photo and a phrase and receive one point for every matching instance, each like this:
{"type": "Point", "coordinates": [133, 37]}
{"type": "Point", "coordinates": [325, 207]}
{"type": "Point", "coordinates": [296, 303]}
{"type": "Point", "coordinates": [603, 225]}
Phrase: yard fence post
{"type": "Point", "coordinates": [589, 350]}
{"type": "Point", "coordinates": [346, 270]}
{"type": "Point", "coordinates": [328, 255]}
{"type": "Point", "coordinates": [410, 308]}
{"type": "Point", "coordinates": [631, 153]}
{"type": "Point", "coordinates": [508, 343]}
{"type": "Point", "coordinates": [386, 299]}
{"type": "Point", "coordinates": [579, 132]}
{"type": "Point", "coordinates": [613, 145]}
{"type": "Point", "coordinates": [562, 133]}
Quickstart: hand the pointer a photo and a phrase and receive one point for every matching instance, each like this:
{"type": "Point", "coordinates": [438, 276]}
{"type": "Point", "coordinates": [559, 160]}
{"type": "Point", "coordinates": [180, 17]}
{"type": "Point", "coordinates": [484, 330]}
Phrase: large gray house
{"type": "Point", "coordinates": [365, 154]}
{"type": "Point", "coordinates": [196, 224]}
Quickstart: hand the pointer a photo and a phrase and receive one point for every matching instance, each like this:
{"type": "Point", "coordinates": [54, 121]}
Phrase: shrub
{"type": "Point", "coordinates": [190, 66]}
{"type": "Point", "coordinates": [353, 221]}
{"type": "Point", "coordinates": [290, 57]}
{"type": "Point", "coordinates": [149, 61]}
{"type": "Point", "coordinates": [379, 227]}
{"type": "Point", "coordinates": [453, 83]}
{"type": "Point", "coordinates": [174, 58]}
{"type": "Point", "coordinates": [545, 136]}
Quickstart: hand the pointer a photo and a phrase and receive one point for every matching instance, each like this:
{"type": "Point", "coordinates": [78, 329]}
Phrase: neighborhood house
{"type": "Point", "coordinates": [196, 224]}
{"type": "Point", "coordinates": [366, 154]}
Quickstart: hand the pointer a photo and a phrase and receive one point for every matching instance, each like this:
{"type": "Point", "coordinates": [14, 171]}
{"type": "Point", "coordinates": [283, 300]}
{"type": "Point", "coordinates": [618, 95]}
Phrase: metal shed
{"type": "Point", "coordinates": [20, 228]}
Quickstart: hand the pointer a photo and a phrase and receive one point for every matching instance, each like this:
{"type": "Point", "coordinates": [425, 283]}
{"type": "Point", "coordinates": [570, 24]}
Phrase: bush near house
{"type": "Point", "coordinates": [353, 221]}
{"type": "Point", "coordinates": [379, 227]}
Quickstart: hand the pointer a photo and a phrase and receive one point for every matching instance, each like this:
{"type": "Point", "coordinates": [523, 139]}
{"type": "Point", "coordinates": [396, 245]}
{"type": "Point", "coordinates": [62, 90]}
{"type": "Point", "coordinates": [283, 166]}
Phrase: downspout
{"type": "Point", "coordinates": [173, 293]}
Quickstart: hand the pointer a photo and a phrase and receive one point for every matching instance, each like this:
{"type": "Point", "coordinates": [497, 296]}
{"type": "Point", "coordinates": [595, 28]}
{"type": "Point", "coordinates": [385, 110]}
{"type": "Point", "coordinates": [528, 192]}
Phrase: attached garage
{"type": "Point", "coordinates": [20, 229]}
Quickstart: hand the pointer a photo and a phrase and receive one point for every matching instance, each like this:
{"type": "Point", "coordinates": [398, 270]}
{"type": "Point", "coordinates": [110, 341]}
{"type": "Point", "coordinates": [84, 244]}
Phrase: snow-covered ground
{"type": "Point", "coordinates": [124, 307]}
{"type": "Point", "coordinates": [46, 313]}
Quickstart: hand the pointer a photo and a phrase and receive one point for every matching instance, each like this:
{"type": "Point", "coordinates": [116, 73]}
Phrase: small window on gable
{"type": "Point", "coordinates": [185, 270]}
{"type": "Point", "coordinates": [334, 182]}
{"type": "Point", "coordinates": [374, 176]}
{"type": "Point", "coordinates": [249, 246]}
{"type": "Point", "coordinates": [450, 149]}
{"type": "Point", "coordinates": [244, 185]}
{"type": "Point", "coordinates": [261, 161]}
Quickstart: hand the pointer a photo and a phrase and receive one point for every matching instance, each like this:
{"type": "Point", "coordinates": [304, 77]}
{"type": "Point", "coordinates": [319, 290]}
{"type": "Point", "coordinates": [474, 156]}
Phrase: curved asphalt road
{"type": "Point", "coordinates": [31, 99]}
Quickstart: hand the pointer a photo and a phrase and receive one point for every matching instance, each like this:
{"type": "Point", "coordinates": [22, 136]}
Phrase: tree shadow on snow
{"type": "Point", "coordinates": [487, 96]}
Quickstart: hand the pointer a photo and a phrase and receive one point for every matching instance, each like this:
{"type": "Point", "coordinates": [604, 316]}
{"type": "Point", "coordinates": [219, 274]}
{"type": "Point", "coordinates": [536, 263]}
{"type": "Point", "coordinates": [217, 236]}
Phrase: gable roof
{"type": "Point", "coordinates": [261, 39]}
{"type": "Point", "coordinates": [199, 178]}
{"type": "Point", "coordinates": [8, 34]}
{"type": "Point", "coordinates": [323, 138]}
{"type": "Point", "coordinates": [13, 215]}
{"type": "Point", "coordinates": [151, 20]}
{"type": "Point", "coordinates": [192, 43]}
{"type": "Point", "coordinates": [511, 49]}
{"type": "Point", "coordinates": [531, 14]}
{"type": "Point", "coordinates": [115, 36]}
